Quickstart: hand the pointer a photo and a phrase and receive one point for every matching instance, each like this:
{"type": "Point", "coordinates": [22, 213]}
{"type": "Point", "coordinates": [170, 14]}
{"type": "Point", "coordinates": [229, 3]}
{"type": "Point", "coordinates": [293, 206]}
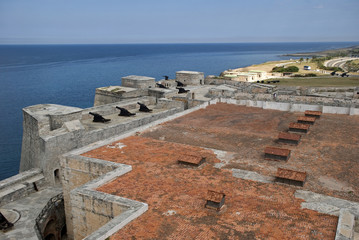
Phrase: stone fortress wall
{"type": "Point", "coordinates": [50, 131]}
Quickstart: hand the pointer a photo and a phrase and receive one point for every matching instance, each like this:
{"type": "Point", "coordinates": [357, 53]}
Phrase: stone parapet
{"type": "Point", "coordinates": [140, 82]}
{"type": "Point", "coordinates": [346, 222]}
{"type": "Point", "coordinates": [21, 185]}
{"type": "Point", "coordinates": [87, 209]}
{"type": "Point", "coordinates": [42, 145]}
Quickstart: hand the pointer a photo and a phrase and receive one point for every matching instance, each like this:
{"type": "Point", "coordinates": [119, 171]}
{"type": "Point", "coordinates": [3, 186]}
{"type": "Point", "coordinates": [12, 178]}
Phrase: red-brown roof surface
{"type": "Point", "coordinates": [299, 126]}
{"type": "Point", "coordinates": [176, 195]}
{"type": "Point", "coordinates": [291, 174]}
{"type": "Point", "coordinates": [306, 119]}
{"type": "Point", "coordinates": [277, 151]}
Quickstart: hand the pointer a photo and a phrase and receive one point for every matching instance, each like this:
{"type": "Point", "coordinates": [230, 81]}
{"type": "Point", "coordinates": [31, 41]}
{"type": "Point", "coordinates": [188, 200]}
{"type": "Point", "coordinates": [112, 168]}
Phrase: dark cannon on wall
{"type": "Point", "coordinates": [4, 223]}
{"type": "Point", "coordinates": [124, 112]}
{"type": "Point", "coordinates": [161, 85]}
{"type": "Point", "coordinates": [166, 77]}
{"type": "Point", "coordinates": [144, 108]}
{"type": "Point", "coordinates": [98, 118]}
{"type": "Point", "coordinates": [182, 90]}
{"type": "Point", "coordinates": [179, 84]}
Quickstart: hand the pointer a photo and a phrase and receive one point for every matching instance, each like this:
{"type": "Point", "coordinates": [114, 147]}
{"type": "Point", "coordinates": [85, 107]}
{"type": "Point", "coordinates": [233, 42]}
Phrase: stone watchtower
{"type": "Point", "coordinates": [190, 77]}
{"type": "Point", "coordinates": [45, 126]}
{"type": "Point", "coordinates": [141, 82]}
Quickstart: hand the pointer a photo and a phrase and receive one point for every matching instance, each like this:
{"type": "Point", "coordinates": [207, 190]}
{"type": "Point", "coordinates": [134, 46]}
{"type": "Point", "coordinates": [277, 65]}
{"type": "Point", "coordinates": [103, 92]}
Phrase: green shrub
{"type": "Point", "coordinates": [285, 69]}
{"type": "Point", "coordinates": [305, 75]}
{"type": "Point", "coordinates": [292, 69]}
{"type": "Point", "coordinates": [310, 75]}
{"type": "Point", "coordinates": [298, 75]}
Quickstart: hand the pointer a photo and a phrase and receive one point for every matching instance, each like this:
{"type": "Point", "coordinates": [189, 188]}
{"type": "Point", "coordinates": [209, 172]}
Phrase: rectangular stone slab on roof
{"type": "Point", "coordinates": [215, 200]}
{"type": "Point", "coordinates": [306, 120]}
{"type": "Point", "coordinates": [215, 196]}
{"type": "Point", "coordinates": [192, 160]}
{"type": "Point", "coordinates": [290, 176]}
{"type": "Point", "coordinates": [290, 138]}
{"type": "Point", "coordinates": [273, 153]}
{"type": "Point", "coordinates": [298, 127]}
{"type": "Point", "coordinates": [316, 114]}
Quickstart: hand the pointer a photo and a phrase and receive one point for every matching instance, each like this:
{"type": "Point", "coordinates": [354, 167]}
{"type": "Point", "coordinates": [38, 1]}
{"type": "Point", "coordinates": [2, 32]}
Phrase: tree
{"type": "Point", "coordinates": [285, 69]}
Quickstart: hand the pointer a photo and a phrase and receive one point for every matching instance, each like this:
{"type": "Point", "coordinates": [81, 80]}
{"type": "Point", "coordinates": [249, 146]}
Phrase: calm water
{"type": "Point", "coordinates": [69, 74]}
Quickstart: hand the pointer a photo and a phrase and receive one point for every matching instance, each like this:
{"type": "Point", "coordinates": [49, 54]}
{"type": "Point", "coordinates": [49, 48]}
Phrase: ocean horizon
{"type": "Point", "coordinates": [68, 74]}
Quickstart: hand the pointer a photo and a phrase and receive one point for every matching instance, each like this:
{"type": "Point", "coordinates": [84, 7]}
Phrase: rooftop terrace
{"type": "Point", "coordinates": [231, 136]}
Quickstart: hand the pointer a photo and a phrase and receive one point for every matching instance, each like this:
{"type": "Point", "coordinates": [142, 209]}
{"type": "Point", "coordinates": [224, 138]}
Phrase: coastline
{"type": "Point", "coordinates": [323, 53]}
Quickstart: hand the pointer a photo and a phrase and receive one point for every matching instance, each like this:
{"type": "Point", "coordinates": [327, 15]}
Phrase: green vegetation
{"type": "Point", "coordinates": [354, 51]}
{"type": "Point", "coordinates": [319, 81]}
{"type": "Point", "coordinates": [285, 69]}
{"type": "Point", "coordinates": [352, 66]}
{"type": "Point", "coordinates": [305, 75]}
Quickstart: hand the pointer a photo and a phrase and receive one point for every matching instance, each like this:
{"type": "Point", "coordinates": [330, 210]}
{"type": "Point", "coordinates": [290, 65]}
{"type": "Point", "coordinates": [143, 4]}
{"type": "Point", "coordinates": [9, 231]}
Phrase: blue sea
{"type": "Point", "coordinates": [69, 74]}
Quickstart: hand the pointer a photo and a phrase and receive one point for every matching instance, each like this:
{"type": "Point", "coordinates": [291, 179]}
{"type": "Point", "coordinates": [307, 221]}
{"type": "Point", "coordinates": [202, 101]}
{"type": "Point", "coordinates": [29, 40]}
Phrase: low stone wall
{"type": "Point", "coordinates": [166, 103]}
{"type": "Point", "coordinates": [87, 209]}
{"type": "Point", "coordinates": [162, 93]}
{"type": "Point", "coordinates": [103, 97]}
{"type": "Point", "coordinates": [290, 99]}
{"type": "Point", "coordinates": [110, 108]}
{"type": "Point", "coordinates": [292, 107]}
{"type": "Point", "coordinates": [21, 185]}
{"type": "Point", "coordinates": [346, 222]}
{"type": "Point", "coordinates": [321, 92]}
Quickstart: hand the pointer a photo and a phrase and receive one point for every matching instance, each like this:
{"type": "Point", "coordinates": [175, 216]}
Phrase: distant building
{"type": "Point", "coordinates": [190, 77]}
{"type": "Point", "coordinates": [241, 76]}
{"type": "Point", "coordinates": [260, 74]}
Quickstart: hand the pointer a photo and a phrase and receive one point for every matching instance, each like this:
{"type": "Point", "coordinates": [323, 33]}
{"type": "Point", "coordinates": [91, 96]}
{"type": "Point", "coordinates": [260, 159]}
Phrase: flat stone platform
{"type": "Point", "coordinates": [29, 208]}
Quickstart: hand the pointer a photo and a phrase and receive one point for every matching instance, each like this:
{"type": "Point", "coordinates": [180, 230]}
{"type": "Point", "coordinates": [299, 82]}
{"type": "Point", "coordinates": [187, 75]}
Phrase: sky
{"type": "Point", "coordinates": [177, 21]}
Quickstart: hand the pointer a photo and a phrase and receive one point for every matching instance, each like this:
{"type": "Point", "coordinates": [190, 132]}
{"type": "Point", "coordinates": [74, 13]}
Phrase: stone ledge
{"type": "Point", "coordinates": [345, 229]}
{"type": "Point", "coordinates": [89, 204]}
{"type": "Point", "coordinates": [19, 178]}
{"type": "Point", "coordinates": [21, 185]}
{"type": "Point", "coordinates": [326, 204]}
{"type": "Point", "coordinates": [292, 107]}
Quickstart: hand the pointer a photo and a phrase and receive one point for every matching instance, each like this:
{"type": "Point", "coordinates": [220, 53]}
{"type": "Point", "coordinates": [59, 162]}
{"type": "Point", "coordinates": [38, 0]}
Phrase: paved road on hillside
{"type": "Point", "coordinates": [338, 62]}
